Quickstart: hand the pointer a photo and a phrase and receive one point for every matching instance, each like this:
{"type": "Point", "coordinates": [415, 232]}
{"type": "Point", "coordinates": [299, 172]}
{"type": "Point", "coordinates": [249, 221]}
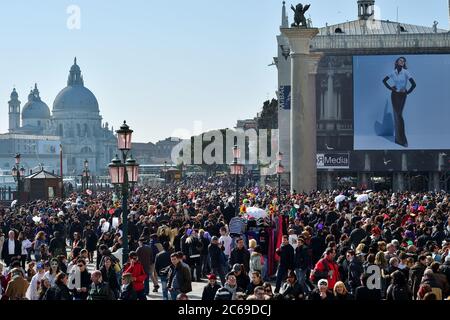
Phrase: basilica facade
{"type": "Point", "coordinates": [74, 124]}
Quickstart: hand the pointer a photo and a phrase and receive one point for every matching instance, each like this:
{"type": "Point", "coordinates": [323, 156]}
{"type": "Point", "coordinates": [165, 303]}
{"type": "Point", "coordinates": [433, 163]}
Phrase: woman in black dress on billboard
{"type": "Point", "coordinates": [400, 77]}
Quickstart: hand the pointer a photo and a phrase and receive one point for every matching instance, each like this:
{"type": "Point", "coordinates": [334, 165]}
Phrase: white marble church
{"type": "Point", "coordinates": [75, 123]}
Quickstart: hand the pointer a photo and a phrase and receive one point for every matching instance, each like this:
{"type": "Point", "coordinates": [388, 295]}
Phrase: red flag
{"type": "Point", "coordinates": [279, 236]}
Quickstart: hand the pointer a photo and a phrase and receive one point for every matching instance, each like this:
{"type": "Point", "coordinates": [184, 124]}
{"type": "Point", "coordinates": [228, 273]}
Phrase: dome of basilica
{"type": "Point", "coordinates": [75, 97]}
{"type": "Point", "coordinates": [35, 108]}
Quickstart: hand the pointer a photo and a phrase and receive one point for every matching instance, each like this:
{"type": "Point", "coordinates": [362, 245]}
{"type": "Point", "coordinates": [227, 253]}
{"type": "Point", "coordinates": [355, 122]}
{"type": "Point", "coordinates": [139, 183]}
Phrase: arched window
{"type": "Point", "coordinates": [86, 150]}
{"type": "Point", "coordinates": [86, 130]}
{"type": "Point", "coordinates": [60, 130]}
{"type": "Point", "coordinates": [78, 130]}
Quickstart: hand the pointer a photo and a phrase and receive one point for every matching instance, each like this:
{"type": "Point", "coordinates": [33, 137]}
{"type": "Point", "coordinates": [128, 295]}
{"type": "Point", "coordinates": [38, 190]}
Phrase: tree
{"type": "Point", "coordinates": [269, 115]}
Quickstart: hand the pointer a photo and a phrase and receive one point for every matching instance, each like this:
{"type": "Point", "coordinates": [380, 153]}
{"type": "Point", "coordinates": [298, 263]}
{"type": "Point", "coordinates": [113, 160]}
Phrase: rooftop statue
{"type": "Point", "coordinates": [299, 17]}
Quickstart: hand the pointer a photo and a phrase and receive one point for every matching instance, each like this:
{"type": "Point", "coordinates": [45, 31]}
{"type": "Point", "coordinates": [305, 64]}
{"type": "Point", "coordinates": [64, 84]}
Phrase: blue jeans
{"type": "Point", "coordinates": [281, 274]}
{"type": "Point", "coordinates": [147, 284]}
{"type": "Point", "coordinates": [219, 271]}
{"type": "Point", "coordinates": [174, 294]}
{"type": "Point", "coordinates": [301, 278]}
{"type": "Point", "coordinates": [165, 292]}
{"type": "Point", "coordinates": [265, 269]}
{"type": "Point", "coordinates": [225, 265]}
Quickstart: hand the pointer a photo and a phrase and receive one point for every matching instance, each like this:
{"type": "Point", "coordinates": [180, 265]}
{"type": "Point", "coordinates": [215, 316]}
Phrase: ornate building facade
{"type": "Point", "coordinates": [75, 123]}
{"type": "Point", "coordinates": [337, 45]}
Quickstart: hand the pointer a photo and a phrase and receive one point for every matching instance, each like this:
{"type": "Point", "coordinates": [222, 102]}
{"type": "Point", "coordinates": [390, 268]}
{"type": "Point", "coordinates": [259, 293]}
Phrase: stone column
{"type": "Point", "coordinates": [330, 111]}
{"type": "Point", "coordinates": [398, 184]}
{"type": "Point", "coordinates": [364, 180]}
{"type": "Point", "coordinates": [303, 112]}
{"type": "Point", "coordinates": [284, 113]}
{"type": "Point", "coordinates": [329, 181]}
{"type": "Point", "coordinates": [436, 182]}
{"type": "Point", "coordinates": [364, 175]}
{"type": "Point", "coordinates": [399, 177]}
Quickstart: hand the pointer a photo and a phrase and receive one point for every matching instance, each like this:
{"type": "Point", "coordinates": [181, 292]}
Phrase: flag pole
{"type": "Point", "coordinates": [61, 169]}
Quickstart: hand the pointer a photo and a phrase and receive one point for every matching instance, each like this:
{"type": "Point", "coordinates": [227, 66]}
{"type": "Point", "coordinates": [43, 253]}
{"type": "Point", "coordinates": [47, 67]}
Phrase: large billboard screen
{"type": "Point", "coordinates": [401, 102]}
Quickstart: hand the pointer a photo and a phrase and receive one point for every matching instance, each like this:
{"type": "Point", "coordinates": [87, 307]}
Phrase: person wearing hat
{"type": "Point", "coordinates": [229, 290]}
{"type": "Point", "coordinates": [33, 289]}
{"type": "Point", "coordinates": [321, 293]}
{"type": "Point", "coordinates": [210, 290]}
{"type": "Point", "coordinates": [242, 279]}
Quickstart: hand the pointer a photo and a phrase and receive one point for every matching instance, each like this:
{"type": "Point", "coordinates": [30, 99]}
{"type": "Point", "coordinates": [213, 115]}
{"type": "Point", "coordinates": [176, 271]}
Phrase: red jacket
{"type": "Point", "coordinates": [330, 266]}
{"type": "Point", "coordinates": [137, 272]}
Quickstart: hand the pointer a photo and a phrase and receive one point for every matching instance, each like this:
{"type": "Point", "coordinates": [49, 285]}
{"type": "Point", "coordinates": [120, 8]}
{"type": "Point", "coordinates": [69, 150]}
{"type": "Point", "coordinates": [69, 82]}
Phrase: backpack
{"type": "Point", "coordinates": [400, 293]}
{"type": "Point", "coordinates": [59, 252]}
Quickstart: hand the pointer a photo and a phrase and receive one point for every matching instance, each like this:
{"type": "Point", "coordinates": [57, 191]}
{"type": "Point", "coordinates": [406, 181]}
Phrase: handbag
{"type": "Point", "coordinates": [117, 268]}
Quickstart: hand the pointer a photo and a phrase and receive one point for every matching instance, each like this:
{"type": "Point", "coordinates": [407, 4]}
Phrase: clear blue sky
{"type": "Point", "coordinates": [162, 65]}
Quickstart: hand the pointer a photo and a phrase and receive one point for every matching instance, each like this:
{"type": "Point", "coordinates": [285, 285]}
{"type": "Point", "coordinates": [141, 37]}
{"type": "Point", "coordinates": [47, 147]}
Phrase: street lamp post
{"type": "Point", "coordinates": [280, 171]}
{"type": "Point", "coordinates": [124, 173]}
{"type": "Point", "coordinates": [18, 173]}
{"type": "Point", "coordinates": [86, 175]}
{"type": "Point", "coordinates": [165, 172]}
{"type": "Point", "coordinates": [237, 169]}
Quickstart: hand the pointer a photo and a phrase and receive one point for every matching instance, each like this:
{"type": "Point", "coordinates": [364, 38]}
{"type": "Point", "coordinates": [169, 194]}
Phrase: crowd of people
{"type": "Point", "coordinates": [328, 245]}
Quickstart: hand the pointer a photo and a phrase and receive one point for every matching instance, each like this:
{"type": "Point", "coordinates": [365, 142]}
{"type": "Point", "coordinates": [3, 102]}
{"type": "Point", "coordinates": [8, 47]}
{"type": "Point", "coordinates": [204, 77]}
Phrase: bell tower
{"type": "Point", "coordinates": [365, 9]}
{"type": "Point", "coordinates": [14, 111]}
